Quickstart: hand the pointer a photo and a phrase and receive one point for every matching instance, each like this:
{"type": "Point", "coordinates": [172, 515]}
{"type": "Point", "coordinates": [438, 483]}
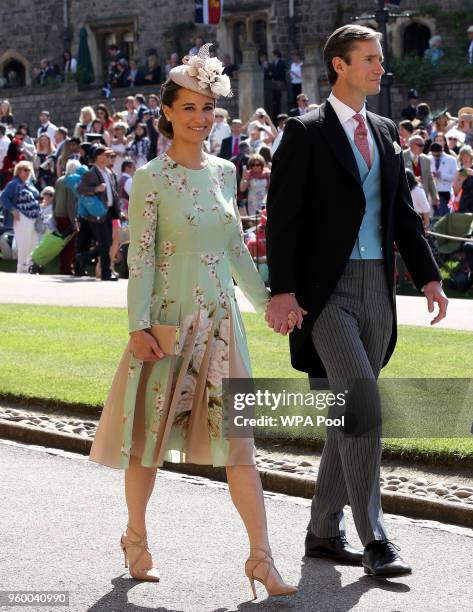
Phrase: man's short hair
{"type": "Point", "coordinates": [236, 121]}
{"type": "Point", "coordinates": [126, 163]}
{"type": "Point", "coordinates": [97, 150]}
{"type": "Point", "coordinates": [3, 129]}
{"type": "Point", "coordinates": [436, 146]}
{"type": "Point", "coordinates": [44, 112]}
{"type": "Point", "coordinates": [140, 98]}
{"type": "Point", "coordinates": [302, 95]}
{"type": "Point", "coordinates": [416, 138]}
{"type": "Point", "coordinates": [407, 125]}
{"type": "Point", "coordinates": [63, 130]}
{"type": "Point", "coordinates": [341, 42]}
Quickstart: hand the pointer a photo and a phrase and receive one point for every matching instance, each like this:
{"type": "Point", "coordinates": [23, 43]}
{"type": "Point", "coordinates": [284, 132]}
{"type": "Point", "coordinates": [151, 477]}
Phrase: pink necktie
{"type": "Point", "coordinates": [361, 139]}
{"type": "Point", "coordinates": [235, 146]}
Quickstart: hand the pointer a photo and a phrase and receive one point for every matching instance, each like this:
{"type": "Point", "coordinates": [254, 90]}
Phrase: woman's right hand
{"type": "Point", "coordinates": [144, 346]}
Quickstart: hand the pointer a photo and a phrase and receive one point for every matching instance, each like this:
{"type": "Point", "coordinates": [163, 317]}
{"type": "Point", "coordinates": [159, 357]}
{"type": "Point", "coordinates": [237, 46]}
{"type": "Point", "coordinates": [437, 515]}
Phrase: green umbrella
{"type": "Point", "coordinates": [85, 70]}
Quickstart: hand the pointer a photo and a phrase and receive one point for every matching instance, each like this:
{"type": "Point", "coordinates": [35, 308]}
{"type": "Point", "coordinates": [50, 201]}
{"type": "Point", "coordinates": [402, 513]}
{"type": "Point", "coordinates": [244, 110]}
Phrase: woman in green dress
{"type": "Point", "coordinates": [186, 246]}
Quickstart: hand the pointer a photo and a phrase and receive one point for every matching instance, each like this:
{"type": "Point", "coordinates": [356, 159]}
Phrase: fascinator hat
{"type": "Point", "coordinates": [203, 74]}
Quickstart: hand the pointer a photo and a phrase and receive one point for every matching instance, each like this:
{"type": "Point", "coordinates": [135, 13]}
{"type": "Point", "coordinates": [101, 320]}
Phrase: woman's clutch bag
{"type": "Point", "coordinates": [167, 336]}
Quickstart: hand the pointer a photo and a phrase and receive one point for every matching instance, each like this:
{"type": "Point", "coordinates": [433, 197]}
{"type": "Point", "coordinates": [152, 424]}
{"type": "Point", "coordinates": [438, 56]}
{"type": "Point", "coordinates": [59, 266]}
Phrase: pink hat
{"type": "Point", "coordinates": [203, 74]}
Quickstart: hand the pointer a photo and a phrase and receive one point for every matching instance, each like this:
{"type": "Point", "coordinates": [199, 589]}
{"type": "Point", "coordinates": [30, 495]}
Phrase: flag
{"type": "Point", "coordinates": [208, 11]}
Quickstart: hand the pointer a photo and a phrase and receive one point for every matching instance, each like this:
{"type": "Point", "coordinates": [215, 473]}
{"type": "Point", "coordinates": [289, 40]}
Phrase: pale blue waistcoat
{"type": "Point", "coordinates": [369, 243]}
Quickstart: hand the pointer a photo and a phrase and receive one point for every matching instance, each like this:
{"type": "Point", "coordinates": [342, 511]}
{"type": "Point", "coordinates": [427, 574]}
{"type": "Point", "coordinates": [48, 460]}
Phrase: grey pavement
{"type": "Point", "coordinates": [62, 516]}
{"type": "Point", "coordinates": [70, 291]}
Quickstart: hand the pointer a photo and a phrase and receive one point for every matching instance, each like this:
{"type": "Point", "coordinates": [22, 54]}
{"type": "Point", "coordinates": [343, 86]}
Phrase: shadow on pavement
{"type": "Point", "coordinates": [320, 589]}
{"type": "Point", "coordinates": [117, 599]}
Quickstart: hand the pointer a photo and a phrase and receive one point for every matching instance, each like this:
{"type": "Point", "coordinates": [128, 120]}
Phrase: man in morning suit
{"type": "Point", "coordinates": [229, 147]}
{"type": "Point", "coordinates": [337, 203]}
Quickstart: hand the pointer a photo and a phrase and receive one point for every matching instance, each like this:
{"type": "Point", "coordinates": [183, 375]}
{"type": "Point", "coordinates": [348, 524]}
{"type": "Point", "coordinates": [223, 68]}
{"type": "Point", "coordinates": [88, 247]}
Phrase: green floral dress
{"type": "Point", "coordinates": [186, 246]}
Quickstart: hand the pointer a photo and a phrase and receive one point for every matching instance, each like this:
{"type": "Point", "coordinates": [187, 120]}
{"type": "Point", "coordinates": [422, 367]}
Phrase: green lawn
{"type": "Point", "coordinates": [70, 354]}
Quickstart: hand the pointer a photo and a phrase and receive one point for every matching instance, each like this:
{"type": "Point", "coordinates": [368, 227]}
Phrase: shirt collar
{"type": "Point", "coordinates": [344, 112]}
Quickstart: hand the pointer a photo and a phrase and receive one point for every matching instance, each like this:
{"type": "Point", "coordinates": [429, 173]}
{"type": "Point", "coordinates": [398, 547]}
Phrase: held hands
{"type": "Point", "coordinates": [283, 313]}
{"type": "Point", "coordinates": [144, 346]}
{"type": "Point", "coordinates": [434, 293]}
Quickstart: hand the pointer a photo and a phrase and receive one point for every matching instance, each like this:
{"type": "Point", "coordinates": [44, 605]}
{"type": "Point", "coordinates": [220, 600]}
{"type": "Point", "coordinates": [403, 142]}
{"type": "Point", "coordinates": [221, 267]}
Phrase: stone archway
{"type": "Point", "coordinates": [399, 28]}
{"type": "Point", "coordinates": [11, 59]}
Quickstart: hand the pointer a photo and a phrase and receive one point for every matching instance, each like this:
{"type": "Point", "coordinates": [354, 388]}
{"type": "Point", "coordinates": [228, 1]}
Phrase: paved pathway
{"type": "Point", "coordinates": [61, 521]}
{"type": "Point", "coordinates": [69, 291]}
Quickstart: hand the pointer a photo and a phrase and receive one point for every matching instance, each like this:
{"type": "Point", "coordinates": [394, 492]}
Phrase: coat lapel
{"type": "Point", "coordinates": [338, 140]}
{"type": "Point", "coordinates": [387, 159]}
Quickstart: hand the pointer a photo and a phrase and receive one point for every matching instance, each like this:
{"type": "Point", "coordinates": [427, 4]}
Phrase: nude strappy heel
{"type": "Point", "coordinates": [149, 575]}
{"type": "Point", "coordinates": [267, 560]}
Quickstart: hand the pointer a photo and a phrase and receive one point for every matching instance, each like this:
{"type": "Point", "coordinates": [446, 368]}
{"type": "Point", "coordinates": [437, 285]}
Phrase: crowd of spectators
{"type": "Point", "coordinates": [37, 179]}
{"type": "Point", "coordinates": [437, 150]}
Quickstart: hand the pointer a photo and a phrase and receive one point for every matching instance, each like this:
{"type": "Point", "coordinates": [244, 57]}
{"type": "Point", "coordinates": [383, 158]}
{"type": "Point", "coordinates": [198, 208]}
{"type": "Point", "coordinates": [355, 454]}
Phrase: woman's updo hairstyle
{"type": "Point", "coordinates": [169, 92]}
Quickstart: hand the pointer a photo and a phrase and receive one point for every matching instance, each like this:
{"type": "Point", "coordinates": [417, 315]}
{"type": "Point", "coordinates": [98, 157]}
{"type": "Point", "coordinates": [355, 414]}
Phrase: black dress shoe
{"type": "Point", "coordinates": [336, 548]}
{"type": "Point", "coordinates": [380, 558]}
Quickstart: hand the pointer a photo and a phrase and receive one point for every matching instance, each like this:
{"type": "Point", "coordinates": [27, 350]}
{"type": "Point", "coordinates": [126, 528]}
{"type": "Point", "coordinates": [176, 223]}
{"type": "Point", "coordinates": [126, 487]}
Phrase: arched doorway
{"type": "Point", "coordinates": [239, 38]}
{"type": "Point", "coordinates": [416, 39]}
{"type": "Point", "coordinates": [14, 73]}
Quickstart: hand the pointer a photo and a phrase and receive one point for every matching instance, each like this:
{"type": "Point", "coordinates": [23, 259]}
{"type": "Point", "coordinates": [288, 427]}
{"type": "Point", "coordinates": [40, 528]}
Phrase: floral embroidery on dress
{"type": "Point", "coordinates": [159, 398]}
{"type": "Point", "coordinates": [144, 255]}
{"type": "Point", "coordinates": [168, 248]}
{"type": "Point", "coordinates": [198, 293]}
{"type": "Point", "coordinates": [125, 450]}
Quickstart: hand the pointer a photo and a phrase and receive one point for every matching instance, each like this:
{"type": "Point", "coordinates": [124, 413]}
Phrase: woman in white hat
{"type": "Point", "coordinates": [185, 245]}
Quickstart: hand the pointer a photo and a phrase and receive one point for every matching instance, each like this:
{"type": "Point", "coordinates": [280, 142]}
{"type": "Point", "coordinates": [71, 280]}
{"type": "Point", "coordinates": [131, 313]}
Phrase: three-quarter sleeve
{"type": "Point", "coordinates": [143, 218]}
{"type": "Point", "coordinates": [244, 270]}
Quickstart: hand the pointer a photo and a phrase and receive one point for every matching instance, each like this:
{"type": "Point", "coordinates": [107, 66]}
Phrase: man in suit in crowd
{"type": "Point", "coordinates": [99, 181]}
{"type": "Point", "coordinates": [241, 162]}
{"type": "Point", "coordinates": [444, 168]}
{"type": "Point", "coordinates": [331, 262]}
{"type": "Point", "coordinates": [419, 163]}
{"type": "Point", "coordinates": [277, 74]}
{"type": "Point", "coordinates": [230, 145]}
{"type": "Point", "coordinates": [302, 106]}
{"type": "Point", "coordinates": [410, 112]}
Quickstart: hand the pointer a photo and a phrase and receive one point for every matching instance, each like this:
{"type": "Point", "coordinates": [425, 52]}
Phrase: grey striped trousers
{"type": "Point", "coordinates": [351, 336]}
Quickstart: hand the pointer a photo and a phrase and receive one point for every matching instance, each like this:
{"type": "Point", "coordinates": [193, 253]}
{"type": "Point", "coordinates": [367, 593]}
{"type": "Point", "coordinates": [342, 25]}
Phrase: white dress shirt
{"type": "Point", "coordinates": [108, 183]}
{"type": "Point", "coordinates": [345, 115]}
{"type": "Point", "coordinates": [419, 199]}
{"type": "Point", "coordinates": [50, 130]}
{"type": "Point", "coordinates": [4, 144]}
{"type": "Point", "coordinates": [296, 73]}
{"type": "Point", "coordinates": [447, 170]}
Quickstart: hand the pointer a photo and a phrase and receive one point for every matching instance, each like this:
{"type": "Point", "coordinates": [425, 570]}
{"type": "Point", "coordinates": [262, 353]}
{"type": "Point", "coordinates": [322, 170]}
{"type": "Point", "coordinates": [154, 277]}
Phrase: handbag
{"type": "Point", "coordinates": [167, 336]}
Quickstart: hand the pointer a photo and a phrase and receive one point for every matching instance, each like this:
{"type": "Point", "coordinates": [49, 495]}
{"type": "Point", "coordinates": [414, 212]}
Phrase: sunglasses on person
{"type": "Point", "coordinates": [255, 165]}
{"type": "Point", "coordinates": [25, 170]}
{"type": "Point", "coordinates": [111, 155]}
